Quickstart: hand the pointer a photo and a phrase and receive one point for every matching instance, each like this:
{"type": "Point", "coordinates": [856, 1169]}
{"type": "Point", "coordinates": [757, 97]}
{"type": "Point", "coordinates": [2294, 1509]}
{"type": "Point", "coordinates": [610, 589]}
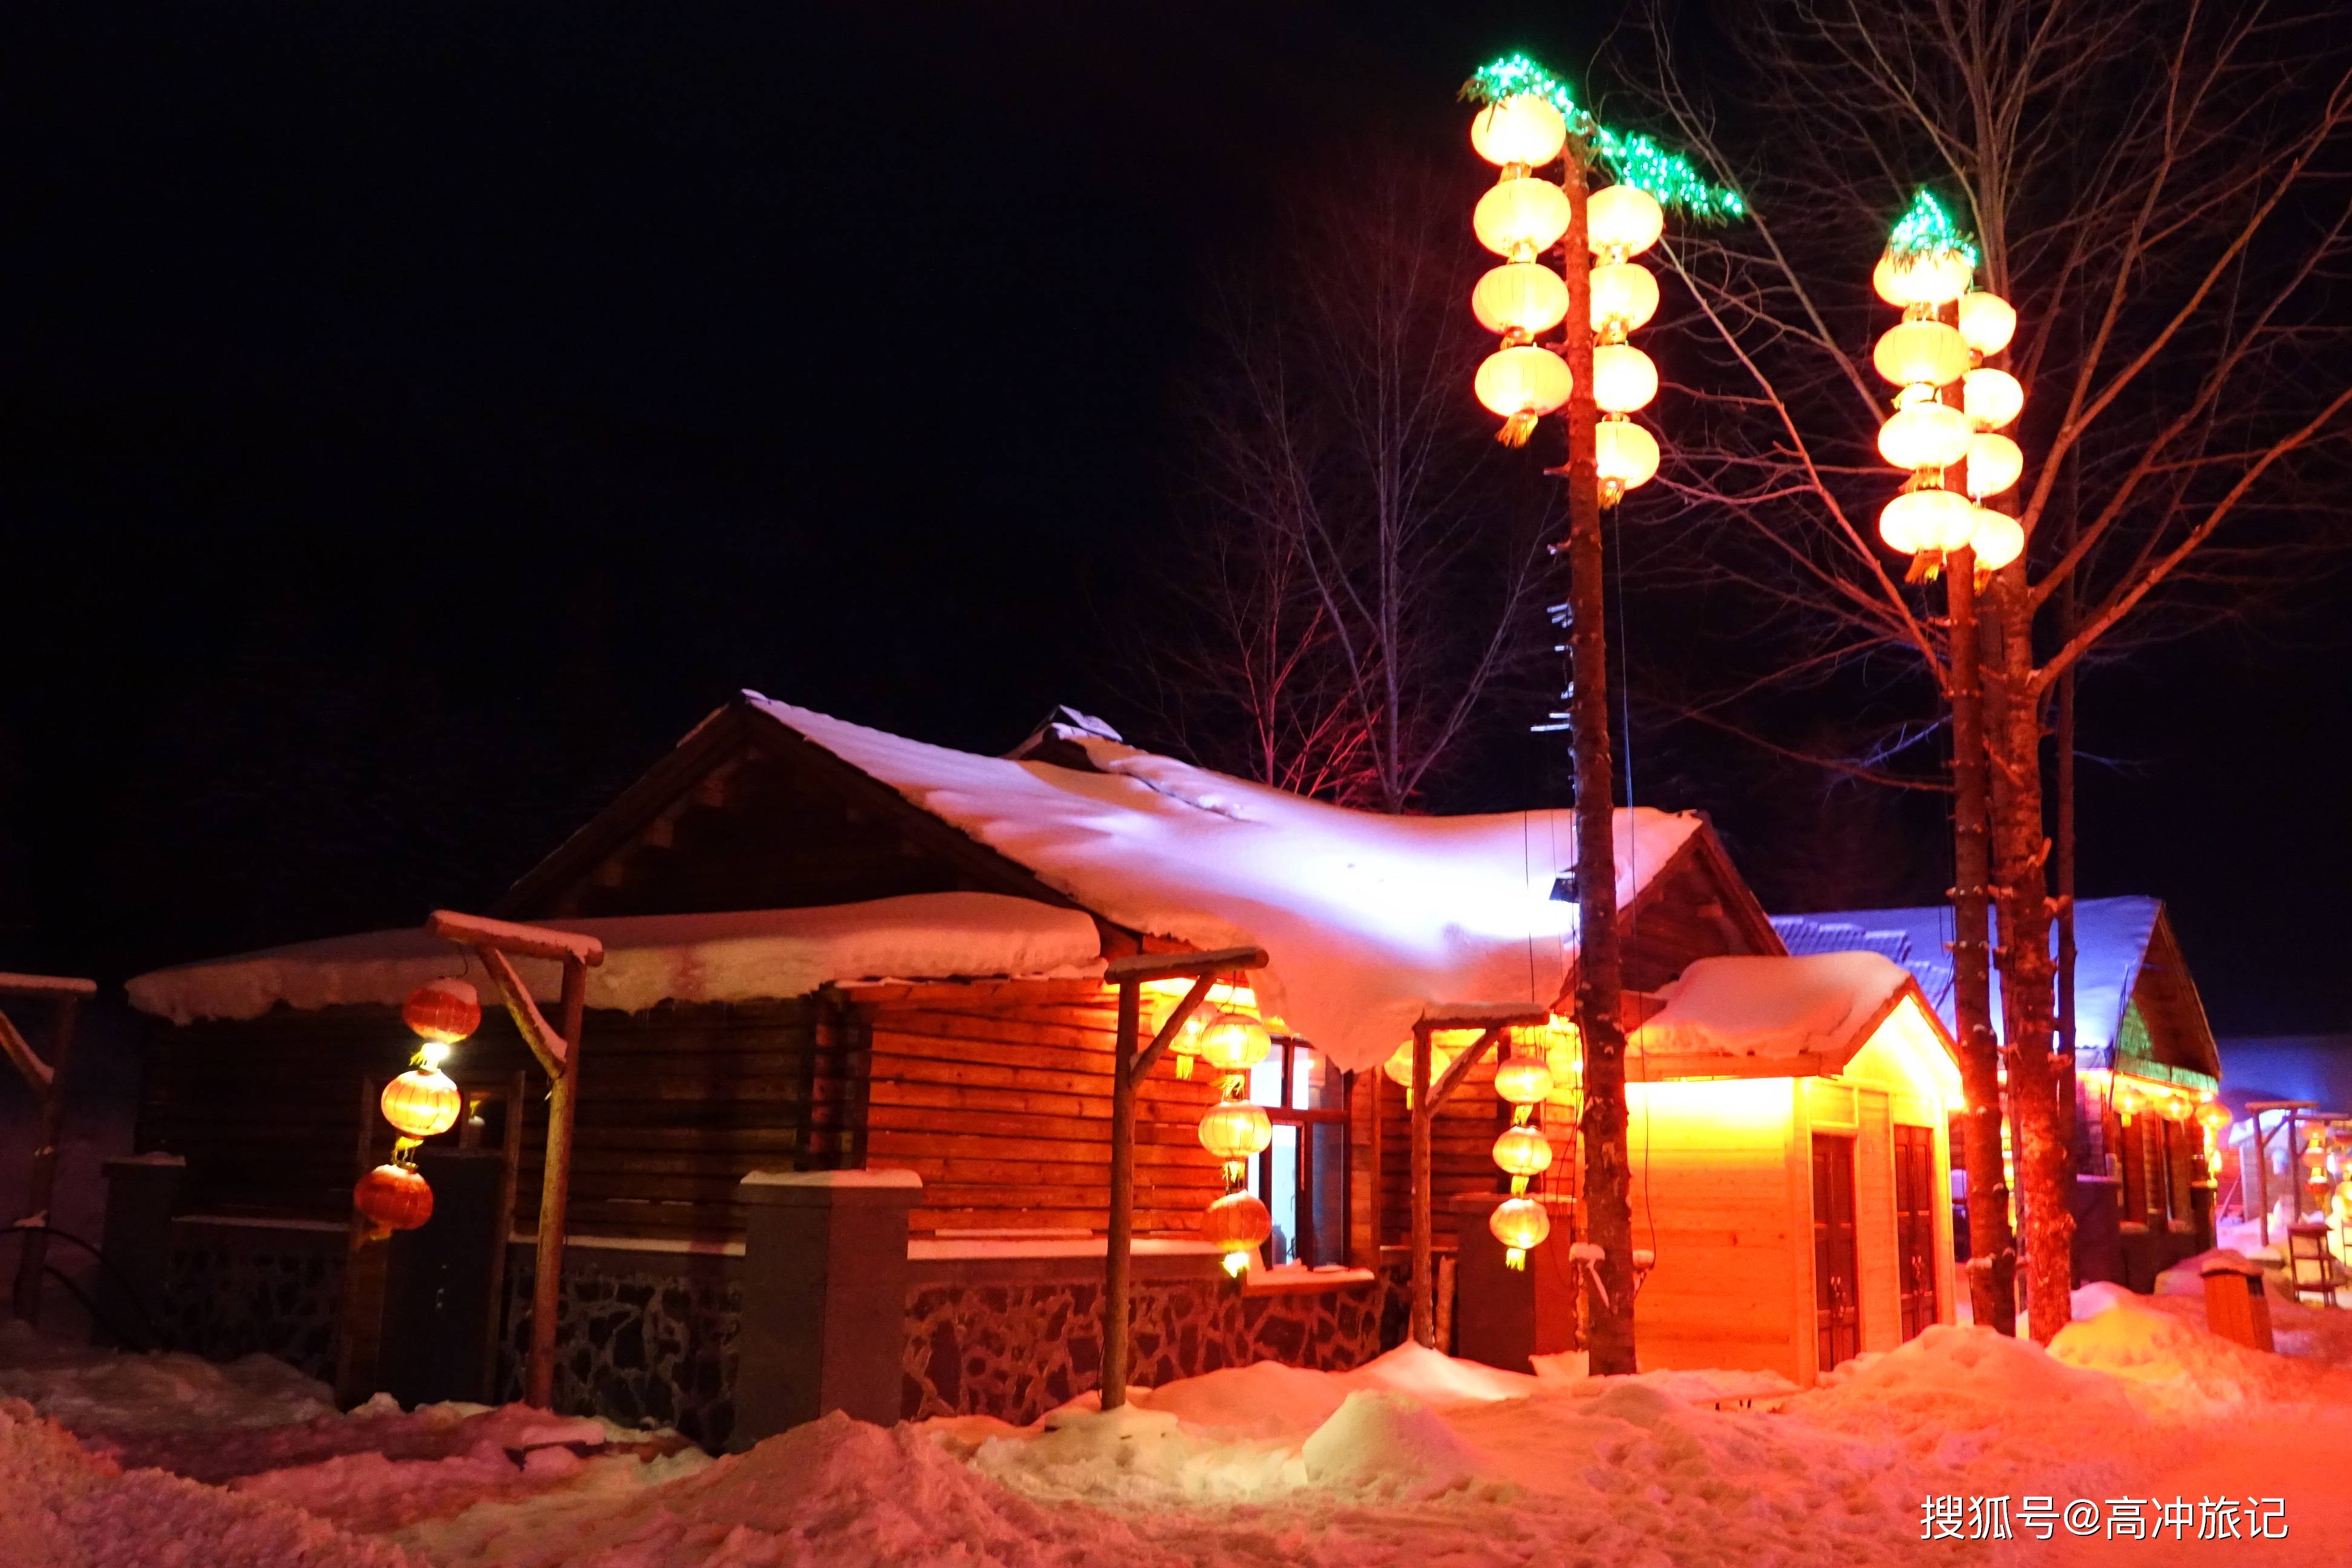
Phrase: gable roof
{"type": "Point", "coordinates": [1369, 921]}
{"type": "Point", "coordinates": [2112, 940]}
{"type": "Point", "coordinates": [1743, 1015]}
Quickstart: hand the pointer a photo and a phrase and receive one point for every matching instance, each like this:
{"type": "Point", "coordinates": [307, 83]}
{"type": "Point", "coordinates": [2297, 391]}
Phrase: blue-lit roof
{"type": "Point", "coordinates": [2111, 940]}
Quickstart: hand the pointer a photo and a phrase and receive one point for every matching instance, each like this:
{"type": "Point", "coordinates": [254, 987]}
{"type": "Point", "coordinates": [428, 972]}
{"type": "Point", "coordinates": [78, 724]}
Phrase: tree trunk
{"type": "Point", "coordinates": [1993, 1253]}
{"type": "Point", "coordinates": [1608, 1197]}
{"type": "Point", "coordinates": [2020, 850]}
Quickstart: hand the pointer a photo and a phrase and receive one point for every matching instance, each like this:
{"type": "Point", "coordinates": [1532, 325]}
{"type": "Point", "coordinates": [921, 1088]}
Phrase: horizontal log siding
{"type": "Point", "coordinates": [998, 1094]}
{"type": "Point", "coordinates": [677, 1105]}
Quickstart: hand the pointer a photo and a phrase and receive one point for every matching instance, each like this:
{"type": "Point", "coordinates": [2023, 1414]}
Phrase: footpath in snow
{"type": "Point", "coordinates": [1921, 1456]}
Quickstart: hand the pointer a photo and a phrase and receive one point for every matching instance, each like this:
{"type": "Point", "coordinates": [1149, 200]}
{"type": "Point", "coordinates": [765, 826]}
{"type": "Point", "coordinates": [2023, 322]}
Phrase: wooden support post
{"type": "Point", "coordinates": [557, 1048]}
{"type": "Point", "coordinates": [1425, 1318]}
{"type": "Point", "coordinates": [1121, 1229]}
{"type": "Point", "coordinates": [1131, 1060]}
{"type": "Point", "coordinates": [47, 1079]}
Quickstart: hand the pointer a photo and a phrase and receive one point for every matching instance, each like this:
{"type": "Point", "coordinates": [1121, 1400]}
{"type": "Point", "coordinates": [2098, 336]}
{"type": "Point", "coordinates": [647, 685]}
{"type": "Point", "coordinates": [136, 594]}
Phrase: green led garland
{"type": "Point", "coordinates": [1929, 228]}
{"type": "Point", "coordinates": [1634, 159]}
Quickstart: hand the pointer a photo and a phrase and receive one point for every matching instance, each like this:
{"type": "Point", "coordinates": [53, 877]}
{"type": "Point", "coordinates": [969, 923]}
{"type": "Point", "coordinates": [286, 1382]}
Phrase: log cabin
{"type": "Point", "coordinates": [2145, 1064]}
{"type": "Point", "coordinates": [831, 948]}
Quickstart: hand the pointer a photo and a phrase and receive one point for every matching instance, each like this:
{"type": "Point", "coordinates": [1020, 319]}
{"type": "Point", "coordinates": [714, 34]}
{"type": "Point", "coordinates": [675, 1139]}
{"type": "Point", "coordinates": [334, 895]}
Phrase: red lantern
{"type": "Point", "coordinates": [422, 1102]}
{"type": "Point", "coordinates": [394, 1197]}
{"type": "Point", "coordinates": [443, 1011]}
{"type": "Point", "coordinates": [1238, 1225]}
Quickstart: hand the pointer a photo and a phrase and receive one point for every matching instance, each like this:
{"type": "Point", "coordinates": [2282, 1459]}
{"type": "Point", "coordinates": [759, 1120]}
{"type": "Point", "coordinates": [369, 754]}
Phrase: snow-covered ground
{"type": "Point", "coordinates": [1414, 1460]}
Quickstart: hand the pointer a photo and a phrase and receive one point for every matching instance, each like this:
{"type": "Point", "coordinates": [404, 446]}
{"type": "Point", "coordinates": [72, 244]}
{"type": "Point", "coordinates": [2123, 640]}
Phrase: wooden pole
{"type": "Point", "coordinates": [1115, 1326]}
{"type": "Point", "coordinates": [32, 1257]}
{"type": "Point", "coordinates": [1608, 1172]}
{"type": "Point", "coordinates": [1424, 1316]}
{"type": "Point", "coordinates": [555, 1193]}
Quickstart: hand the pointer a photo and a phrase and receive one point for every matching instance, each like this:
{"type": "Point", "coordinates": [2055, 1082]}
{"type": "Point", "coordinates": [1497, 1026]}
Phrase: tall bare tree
{"type": "Point", "coordinates": [2160, 186]}
{"type": "Point", "coordinates": [1354, 579]}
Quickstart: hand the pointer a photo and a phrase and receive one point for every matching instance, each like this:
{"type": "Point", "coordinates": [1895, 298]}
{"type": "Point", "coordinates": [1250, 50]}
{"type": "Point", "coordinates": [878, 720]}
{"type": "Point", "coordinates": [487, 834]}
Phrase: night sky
{"type": "Point", "coordinates": [414, 418]}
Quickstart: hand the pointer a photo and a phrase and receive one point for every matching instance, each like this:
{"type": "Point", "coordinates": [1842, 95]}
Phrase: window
{"type": "Point", "coordinates": [1302, 1177]}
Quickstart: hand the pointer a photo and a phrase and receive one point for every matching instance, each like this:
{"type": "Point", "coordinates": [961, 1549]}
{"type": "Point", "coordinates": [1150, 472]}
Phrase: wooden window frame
{"type": "Point", "coordinates": [1288, 1047]}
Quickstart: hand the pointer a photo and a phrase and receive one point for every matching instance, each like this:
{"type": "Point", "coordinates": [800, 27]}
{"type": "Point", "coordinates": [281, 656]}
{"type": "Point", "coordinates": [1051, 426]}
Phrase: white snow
{"type": "Point", "coordinates": [1771, 1006]}
{"type": "Point", "coordinates": [740, 956]}
{"type": "Point", "coordinates": [1370, 921]}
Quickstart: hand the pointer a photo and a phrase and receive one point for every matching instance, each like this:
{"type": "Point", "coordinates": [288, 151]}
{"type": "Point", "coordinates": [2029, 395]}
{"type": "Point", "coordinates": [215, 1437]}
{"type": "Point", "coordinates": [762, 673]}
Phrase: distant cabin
{"type": "Point", "coordinates": [2144, 1060]}
{"type": "Point", "coordinates": [834, 948]}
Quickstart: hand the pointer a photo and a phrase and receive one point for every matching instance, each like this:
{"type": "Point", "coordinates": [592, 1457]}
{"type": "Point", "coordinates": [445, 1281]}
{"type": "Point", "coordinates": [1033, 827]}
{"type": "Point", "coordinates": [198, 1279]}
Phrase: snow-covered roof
{"type": "Point", "coordinates": [1772, 1008]}
{"type": "Point", "coordinates": [741, 956]}
{"type": "Point", "coordinates": [1370, 921]}
{"type": "Point", "coordinates": [2111, 941]}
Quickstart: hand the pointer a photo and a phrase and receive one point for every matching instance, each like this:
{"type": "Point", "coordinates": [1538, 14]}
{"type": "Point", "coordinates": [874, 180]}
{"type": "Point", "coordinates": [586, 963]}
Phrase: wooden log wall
{"type": "Point", "coordinates": [677, 1105]}
{"type": "Point", "coordinates": [998, 1094]}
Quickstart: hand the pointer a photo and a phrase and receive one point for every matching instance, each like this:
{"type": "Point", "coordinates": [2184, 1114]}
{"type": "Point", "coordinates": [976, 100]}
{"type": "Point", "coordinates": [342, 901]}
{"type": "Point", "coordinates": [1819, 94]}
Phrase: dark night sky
{"type": "Point", "coordinates": [414, 418]}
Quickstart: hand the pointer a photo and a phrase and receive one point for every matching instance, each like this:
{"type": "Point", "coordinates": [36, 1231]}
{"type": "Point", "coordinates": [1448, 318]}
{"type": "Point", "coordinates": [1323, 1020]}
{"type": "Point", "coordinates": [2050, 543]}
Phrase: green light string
{"type": "Point", "coordinates": [1632, 158]}
{"type": "Point", "coordinates": [1929, 228]}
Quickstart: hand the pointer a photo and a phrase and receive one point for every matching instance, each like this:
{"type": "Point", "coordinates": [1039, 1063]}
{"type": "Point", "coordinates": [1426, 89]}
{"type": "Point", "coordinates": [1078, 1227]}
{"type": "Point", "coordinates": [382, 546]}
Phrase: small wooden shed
{"type": "Point", "coordinates": [1790, 1163]}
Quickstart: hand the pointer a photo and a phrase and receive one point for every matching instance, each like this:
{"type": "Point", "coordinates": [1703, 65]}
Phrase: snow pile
{"type": "Point", "coordinates": [1387, 1444]}
{"type": "Point", "coordinates": [1369, 919]}
{"type": "Point", "coordinates": [2158, 1346]}
{"type": "Point", "coordinates": [737, 957]}
{"type": "Point", "coordinates": [1771, 1006]}
{"type": "Point", "coordinates": [63, 1508]}
{"type": "Point", "coordinates": [93, 1391]}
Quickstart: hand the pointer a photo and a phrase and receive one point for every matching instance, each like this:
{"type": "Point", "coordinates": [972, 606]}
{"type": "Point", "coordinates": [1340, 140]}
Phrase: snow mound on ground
{"type": "Point", "coordinates": [836, 1493]}
{"type": "Point", "coordinates": [1435, 1378]}
{"type": "Point", "coordinates": [2133, 1337]}
{"type": "Point", "coordinates": [86, 1391]}
{"type": "Point", "coordinates": [1265, 1400]}
{"type": "Point", "coordinates": [1954, 1369]}
{"type": "Point", "coordinates": [1389, 1444]}
{"type": "Point", "coordinates": [62, 1508]}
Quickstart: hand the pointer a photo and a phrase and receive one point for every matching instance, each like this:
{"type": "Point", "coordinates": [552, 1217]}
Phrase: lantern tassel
{"type": "Point", "coordinates": [1516, 429]}
{"type": "Point", "coordinates": [1516, 1258]}
{"type": "Point", "coordinates": [1236, 1264]}
{"type": "Point", "coordinates": [1183, 1066]}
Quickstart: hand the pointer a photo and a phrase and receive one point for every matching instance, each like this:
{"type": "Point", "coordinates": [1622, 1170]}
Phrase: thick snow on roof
{"type": "Point", "coordinates": [743, 957]}
{"type": "Point", "coordinates": [1771, 1006]}
{"type": "Point", "coordinates": [1369, 919]}
{"type": "Point", "coordinates": [2111, 938]}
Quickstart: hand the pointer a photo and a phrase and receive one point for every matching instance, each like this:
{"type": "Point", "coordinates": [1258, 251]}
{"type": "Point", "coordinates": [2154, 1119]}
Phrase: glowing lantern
{"type": "Point", "coordinates": [1522, 296]}
{"type": "Point", "coordinates": [393, 1197]}
{"type": "Point", "coordinates": [1237, 1129]}
{"type": "Point", "coordinates": [1625, 379]}
{"type": "Point", "coordinates": [1523, 1081]}
{"type": "Point", "coordinates": [1996, 539]}
{"type": "Point", "coordinates": [1987, 320]}
{"type": "Point", "coordinates": [1237, 1224]}
{"type": "Point", "coordinates": [1523, 1151]}
{"type": "Point", "coordinates": [1518, 218]}
{"type": "Point", "coordinates": [1186, 1046]}
{"type": "Point", "coordinates": [1398, 1068]}
{"type": "Point", "coordinates": [1925, 436]}
{"type": "Point", "coordinates": [1921, 353]}
{"type": "Point", "coordinates": [1520, 1223]}
{"type": "Point", "coordinates": [1922, 278]}
{"type": "Point", "coordinates": [1522, 385]}
{"type": "Point", "coordinates": [1524, 129]}
{"type": "Point", "coordinates": [2214, 1117]}
{"type": "Point", "coordinates": [1625, 296]}
{"type": "Point", "coordinates": [1992, 397]}
{"type": "Point", "coordinates": [1927, 520]}
{"type": "Point", "coordinates": [1234, 1042]}
{"type": "Point", "coordinates": [1994, 463]}
{"type": "Point", "coordinates": [1627, 457]}
{"type": "Point", "coordinates": [421, 1103]}
{"type": "Point", "coordinates": [1622, 220]}
{"type": "Point", "coordinates": [443, 1011]}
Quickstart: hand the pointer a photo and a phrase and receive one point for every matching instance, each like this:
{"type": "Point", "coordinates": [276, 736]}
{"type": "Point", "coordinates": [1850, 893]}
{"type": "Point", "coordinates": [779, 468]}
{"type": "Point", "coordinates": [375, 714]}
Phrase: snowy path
{"type": "Point", "coordinates": [1415, 1460]}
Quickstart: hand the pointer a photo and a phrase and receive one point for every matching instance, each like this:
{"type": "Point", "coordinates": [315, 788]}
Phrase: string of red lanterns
{"type": "Point", "coordinates": [423, 1102]}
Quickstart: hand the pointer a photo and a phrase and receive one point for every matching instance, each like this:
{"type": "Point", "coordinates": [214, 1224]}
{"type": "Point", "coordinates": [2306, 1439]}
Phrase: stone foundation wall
{"type": "Point", "coordinates": [235, 1290]}
{"type": "Point", "coordinates": [1015, 1348]}
{"type": "Point", "coordinates": [643, 1339]}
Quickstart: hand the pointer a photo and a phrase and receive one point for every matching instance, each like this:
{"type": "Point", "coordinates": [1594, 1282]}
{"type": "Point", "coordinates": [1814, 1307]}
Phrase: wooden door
{"type": "Point", "coordinates": [1837, 1296]}
{"type": "Point", "coordinates": [1915, 1225]}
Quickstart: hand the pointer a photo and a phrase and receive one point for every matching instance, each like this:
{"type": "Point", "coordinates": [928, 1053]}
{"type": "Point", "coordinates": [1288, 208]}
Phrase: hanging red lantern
{"type": "Point", "coordinates": [1237, 1224]}
{"type": "Point", "coordinates": [422, 1102]}
{"type": "Point", "coordinates": [393, 1197]}
{"type": "Point", "coordinates": [443, 1011]}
